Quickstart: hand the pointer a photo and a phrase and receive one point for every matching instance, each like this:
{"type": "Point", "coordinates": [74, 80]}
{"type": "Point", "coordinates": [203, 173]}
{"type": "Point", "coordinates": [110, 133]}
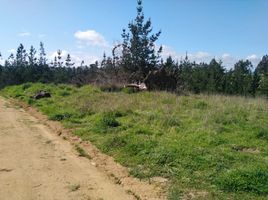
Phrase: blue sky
{"type": "Point", "coordinates": [225, 29]}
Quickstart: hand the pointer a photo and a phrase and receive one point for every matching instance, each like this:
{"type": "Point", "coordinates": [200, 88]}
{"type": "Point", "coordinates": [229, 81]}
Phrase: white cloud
{"type": "Point", "coordinates": [24, 34]}
{"type": "Point", "coordinates": [2, 61]}
{"type": "Point", "coordinates": [90, 37]}
{"type": "Point", "coordinates": [226, 56]}
{"type": "Point", "coordinates": [254, 59]}
{"type": "Point", "coordinates": [168, 51]}
{"type": "Point", "coordinates": [228, 60]}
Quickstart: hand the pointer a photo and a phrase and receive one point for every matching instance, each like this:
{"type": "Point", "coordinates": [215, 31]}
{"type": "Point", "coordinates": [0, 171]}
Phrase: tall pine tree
{"type": "Point", "coordinates": [139, 54]}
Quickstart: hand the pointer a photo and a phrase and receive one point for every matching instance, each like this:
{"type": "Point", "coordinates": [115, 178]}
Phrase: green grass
{"type": "Point", "coordinates": [213, 145]}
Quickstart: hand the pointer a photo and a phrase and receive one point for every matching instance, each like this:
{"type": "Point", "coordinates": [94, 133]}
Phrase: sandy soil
{"type": "Point", "coordinates": [37, 164]}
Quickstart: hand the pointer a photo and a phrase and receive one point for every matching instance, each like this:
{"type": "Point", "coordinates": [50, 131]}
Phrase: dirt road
{"type": "Point", "coordinates": [37, 165]}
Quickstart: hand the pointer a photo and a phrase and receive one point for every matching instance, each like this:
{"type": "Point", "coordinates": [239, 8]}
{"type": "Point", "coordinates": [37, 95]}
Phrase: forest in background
{"type": "Point", "coordinates": [137, 60]}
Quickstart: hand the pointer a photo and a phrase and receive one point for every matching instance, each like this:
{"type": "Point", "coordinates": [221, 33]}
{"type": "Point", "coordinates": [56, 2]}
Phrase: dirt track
{"type": "Point", "coordinates": [36, 164]}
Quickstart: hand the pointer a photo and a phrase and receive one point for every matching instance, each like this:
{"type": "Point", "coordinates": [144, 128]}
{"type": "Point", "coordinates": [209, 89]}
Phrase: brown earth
{"type": "Point", "coordinates": [38, 161]}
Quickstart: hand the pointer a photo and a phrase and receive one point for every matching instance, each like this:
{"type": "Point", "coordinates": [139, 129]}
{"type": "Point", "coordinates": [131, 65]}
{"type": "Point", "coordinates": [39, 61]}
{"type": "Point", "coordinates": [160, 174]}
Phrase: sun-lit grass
{"type": "Point", "coordinates": [213, 144]}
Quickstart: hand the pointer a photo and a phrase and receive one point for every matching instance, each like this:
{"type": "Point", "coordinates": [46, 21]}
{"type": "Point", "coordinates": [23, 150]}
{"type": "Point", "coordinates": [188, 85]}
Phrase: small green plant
{"type": "Point", "coordinates": [30, 101]}
{"type": "Point", "coordinates": [82, 152]}
{"type": "Point", "coordinates": [74, 187]}
{"type": "Point", "coordinates": [48, 142]}
{"type": "Point", "coordinates": [175, 193]}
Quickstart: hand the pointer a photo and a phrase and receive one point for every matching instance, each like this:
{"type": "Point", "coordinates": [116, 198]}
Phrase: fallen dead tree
{"type": "Point", "coordinates": [138, 87]}
{"type": "Point", "coordinates": [41, 94]}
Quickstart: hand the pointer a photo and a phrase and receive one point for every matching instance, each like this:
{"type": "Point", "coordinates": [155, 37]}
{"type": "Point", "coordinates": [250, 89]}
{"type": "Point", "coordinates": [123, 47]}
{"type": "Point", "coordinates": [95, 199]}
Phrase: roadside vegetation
{"type": "Point", "coordinates": [212, 147]}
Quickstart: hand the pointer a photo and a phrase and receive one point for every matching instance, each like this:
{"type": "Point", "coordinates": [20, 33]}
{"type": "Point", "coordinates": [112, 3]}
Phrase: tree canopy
{"type": "Point", "coordinates": [136, 59]}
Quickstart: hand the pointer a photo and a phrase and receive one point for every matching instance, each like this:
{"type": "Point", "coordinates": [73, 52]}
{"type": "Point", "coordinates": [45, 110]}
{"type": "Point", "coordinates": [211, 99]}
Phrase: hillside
{"type": "Point", "coordinates": [210, 147]}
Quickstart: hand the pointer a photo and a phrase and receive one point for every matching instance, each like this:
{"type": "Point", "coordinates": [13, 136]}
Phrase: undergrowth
{"type": "Point", "coordinates": [208, 147]}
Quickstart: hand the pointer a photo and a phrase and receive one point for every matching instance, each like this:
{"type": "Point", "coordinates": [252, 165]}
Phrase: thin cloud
{"type": "Point", "coordinates": [11, 51]}
{"type": "Point", "coordinates": [24, 34]}
{"type": "Point", "coordinates": [227, 59]}
{"type": "Point", "coordinates": [200, 56]}
{"type": "Point", "coordinates": [41, 35]}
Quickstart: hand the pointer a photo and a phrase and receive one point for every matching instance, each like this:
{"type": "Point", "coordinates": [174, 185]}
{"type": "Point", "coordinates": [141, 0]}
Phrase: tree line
{"type": "Point", "coordinates": [137, 59]}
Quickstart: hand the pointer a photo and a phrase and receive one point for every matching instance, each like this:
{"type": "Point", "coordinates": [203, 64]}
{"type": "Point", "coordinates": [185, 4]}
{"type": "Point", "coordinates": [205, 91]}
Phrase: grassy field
{"type": "Point", "coordinates": [214, 147]}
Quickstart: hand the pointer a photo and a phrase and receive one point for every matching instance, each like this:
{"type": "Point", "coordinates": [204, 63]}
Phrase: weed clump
{"type": "Point", "coordinates": [129, 90]}
{"type": "Point", "coordinates": [60, 116]}
{"type": "Point", "coordinates": [82, 152]}
{"type": "Point", "coordinates": [262, 134]}
{"type": "Point", "coordinates": [201, 105]}
{"type": "Point", "coordinates": [108, 120]}
{"type": "Point", "coordinates": [115, 142]}
{"type": "Point", "coordinates": [251, 179]}
{"type": "Point", "coordinates": [26, 86]}
{"type": "Point", "coordinates": [110, 88]}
